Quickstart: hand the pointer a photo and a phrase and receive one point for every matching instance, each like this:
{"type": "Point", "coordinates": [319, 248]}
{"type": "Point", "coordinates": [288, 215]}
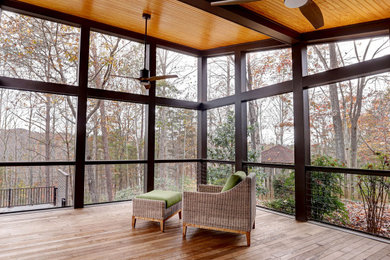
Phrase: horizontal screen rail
{"type": "Point", "coordinates": [38, 86]}
{"type": "Point", "coordinates": [349, 171]}
{"type": "Point", "coordinates": [116, 162]}
{"type": "Point", "coordinates": [269, 165]}
{"type": "Point", "coordinates": [177, 160]}
{"type": "Point", "coordinates": [53, 163]}
{"type": "Point", "coordinates": [219, 161]}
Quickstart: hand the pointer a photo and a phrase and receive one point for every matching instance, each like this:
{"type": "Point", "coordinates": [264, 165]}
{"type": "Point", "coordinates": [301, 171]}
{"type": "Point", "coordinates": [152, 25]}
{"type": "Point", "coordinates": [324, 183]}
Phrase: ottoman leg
{"type": "Point", "coordinates": [162, 225]}
{"type": "Point", "coordinates": [248, 238]}
{"type": "Point", "coordinates": [184, 230]}
{"type": "Point", "coordinates": [133, 220]}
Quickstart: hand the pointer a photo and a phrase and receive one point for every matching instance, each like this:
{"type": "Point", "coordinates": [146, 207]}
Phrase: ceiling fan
{"type": "Point", "coordinates": [145, 77]}
{"type": "Point", "coordinates": [308, 8]}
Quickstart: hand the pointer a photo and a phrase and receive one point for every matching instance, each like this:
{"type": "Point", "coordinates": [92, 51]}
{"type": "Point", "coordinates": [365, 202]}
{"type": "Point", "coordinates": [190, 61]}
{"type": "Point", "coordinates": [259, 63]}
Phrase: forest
{"type": "Point", "coordinates": [349, 121]}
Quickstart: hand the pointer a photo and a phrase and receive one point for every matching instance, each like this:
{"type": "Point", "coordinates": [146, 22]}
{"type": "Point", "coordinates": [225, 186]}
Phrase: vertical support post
{"type": "Point", "coordinates": [300, 129]}
{"type": "Point", "coordinates": [241, 153]}
{"type": "Point", "coordinates": [151, 122]}
{"type": "Point", "coordinates": [202, 121]}
{"type": "Point", "coordinates": [306, 121]}
{"type": "Point", "coordinates": [81, 118]}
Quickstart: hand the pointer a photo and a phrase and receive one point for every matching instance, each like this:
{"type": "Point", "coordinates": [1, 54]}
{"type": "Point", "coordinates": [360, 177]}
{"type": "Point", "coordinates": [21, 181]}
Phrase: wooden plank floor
{"type": "Point", "coordinates": [104, 232]}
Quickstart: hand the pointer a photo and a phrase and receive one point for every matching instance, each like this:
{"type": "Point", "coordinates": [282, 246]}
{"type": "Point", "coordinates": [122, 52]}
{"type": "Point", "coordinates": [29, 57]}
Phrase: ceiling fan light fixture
{"type": "Point", "coordinates": [295, 3]}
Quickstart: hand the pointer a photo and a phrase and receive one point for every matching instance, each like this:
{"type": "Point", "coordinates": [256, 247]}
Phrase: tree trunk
{"type": "Point", "coordinates": [107, 167]}
{"type": "Point", "coordinates": [47, 138]}
{"type": "Point", "coordinates": [254, 131]}
{"type": "Point", "coordinates": [228, 76]}
{"type": "Point", "coordinates": [30, 144]}
{"type": "Point", "coordinates": [336, 113]}
{"type": "Point", "coordinates": [95, 153]}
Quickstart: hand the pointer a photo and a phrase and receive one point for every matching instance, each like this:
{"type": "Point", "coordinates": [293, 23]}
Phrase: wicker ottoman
{"type": "Point", "coordinates": [156, 206]}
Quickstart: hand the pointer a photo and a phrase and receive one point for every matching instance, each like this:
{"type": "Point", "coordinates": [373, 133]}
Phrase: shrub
{"type": "Point", "coordinates": [375, 191]}
{"type": "Point", "coordinates": [287, 205]}
{"type": "Point", "coordinates": [284, 186]}
{"type": "Point", "coordinates": [326, 191]}
{"type": "Point", "coordinates": [284, 193]}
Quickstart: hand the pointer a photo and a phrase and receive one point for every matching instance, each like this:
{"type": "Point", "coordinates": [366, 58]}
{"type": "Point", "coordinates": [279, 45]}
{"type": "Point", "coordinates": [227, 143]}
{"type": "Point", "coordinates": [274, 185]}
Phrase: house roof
{"type": "Point", "coordinates": [278, 154]}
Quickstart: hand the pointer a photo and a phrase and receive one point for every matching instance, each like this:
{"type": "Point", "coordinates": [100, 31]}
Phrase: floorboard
{"type": "Point", "coordinates": [104, 232]}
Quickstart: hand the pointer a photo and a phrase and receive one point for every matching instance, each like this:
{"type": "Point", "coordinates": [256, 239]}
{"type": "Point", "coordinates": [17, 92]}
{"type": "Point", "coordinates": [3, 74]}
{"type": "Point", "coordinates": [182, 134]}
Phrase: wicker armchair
{"type": "Point", "coordinates": [230, 211]}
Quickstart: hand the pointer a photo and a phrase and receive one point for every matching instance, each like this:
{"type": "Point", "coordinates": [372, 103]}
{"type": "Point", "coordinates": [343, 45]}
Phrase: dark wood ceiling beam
{"type": "Point", "coordinates": [349, 32]}
{"type": "Point", "coordinates": [248, 19]}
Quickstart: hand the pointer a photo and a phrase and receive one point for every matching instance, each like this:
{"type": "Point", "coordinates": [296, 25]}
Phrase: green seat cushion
{"type": "Point", "coordinates": [170, 197]}
{"type": "Point", "coordinates": [233, 180]}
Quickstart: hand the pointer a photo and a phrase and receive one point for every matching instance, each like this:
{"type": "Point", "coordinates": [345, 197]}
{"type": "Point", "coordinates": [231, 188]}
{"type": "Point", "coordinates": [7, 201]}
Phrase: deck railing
{"type": "Point", "coordinates": [28, 196]}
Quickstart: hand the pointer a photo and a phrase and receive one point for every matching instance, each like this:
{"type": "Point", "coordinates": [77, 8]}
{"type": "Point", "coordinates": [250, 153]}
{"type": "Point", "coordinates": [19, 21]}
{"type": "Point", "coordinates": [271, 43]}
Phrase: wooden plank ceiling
{"type": "Point", "coordinates": [171, 20]}
{"type": "Point", "coordinates": [180, 23]}
{"type": "Point", "coordinates": [336, 12]}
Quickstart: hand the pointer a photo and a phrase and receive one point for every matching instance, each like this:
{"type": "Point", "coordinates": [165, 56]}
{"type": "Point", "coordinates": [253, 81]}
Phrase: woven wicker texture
{"type": "Point", "coordinates": [209, 188]}
{"type": "Point", "coordinates": [153, 208]}
{"type": "Point", "coordinates": [234, 209]}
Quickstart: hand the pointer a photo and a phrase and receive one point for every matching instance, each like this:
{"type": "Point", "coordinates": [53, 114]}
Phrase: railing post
{"type": "Point", "coordinates": [55, 196]}
{"type": "Point", "coordinates": [9, 198]}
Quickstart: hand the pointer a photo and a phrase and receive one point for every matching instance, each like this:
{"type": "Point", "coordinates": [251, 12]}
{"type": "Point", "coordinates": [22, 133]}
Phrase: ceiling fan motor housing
{"type": "Point", "coordinates": [144, 74]}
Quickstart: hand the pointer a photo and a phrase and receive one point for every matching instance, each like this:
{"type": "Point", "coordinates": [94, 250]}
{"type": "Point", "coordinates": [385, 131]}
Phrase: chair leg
{"type": "Point", "coordinates": [133, 220]}
{"type": "Point", "coordinates": [254, 224]}
{"type": "Point", "coordinates": [184, 230]}
{"type": "Point", "coordinates": [180, 214]}
{"type": "Point", "coordinates": [248, 238]}
{"type": "Point", "coordinates": [162, 225]}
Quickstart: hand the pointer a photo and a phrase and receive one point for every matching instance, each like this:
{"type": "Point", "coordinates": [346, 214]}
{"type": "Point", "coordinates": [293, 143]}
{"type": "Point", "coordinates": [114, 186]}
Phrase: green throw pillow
{"type": "Point", "coordinates": [232, 181]}
{"type": "Point", "coordinates": [241, 174]}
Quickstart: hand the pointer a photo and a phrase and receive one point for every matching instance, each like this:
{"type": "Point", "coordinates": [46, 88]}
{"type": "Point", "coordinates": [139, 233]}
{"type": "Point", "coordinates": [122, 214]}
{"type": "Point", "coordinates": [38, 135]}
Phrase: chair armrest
{"type": "Point", "coordinates": [209, 188]}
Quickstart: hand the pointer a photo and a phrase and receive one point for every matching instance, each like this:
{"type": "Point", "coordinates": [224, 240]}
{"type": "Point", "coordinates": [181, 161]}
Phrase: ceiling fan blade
{"type": "Point", "coordinates": [231, 2]}
{"type": "Point", "coordinates": [313, 14]}
{"type": "Point", "coordinates": [162, 77]}
{"type": "Point", "coordinates": [125, 77]}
